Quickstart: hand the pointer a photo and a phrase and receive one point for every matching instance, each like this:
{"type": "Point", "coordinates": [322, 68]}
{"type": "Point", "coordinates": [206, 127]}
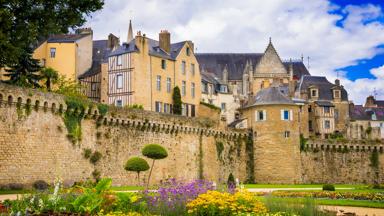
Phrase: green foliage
{"type": "Point", "coordinates": [40, 185]}
{"type": "Point", "coordinates": [136, 164]}
{"type": "Point", "coordinates": [103, 109]}
{"type": "Point", "coordinates": [231, 180]}
{"type": "Point", "coordinates": [368, 130]}
{"type": "Point", "coordinates": [211, 106]}
{"type": "Point", "coordinates": [328, 187]}
{"type": "Point", "coordinates": [95, 157]}
{"type": "Point", "coordinates": [303, 143]}
{"type": "Point", "coordinates": [25, 71]}
{"type": "Point", "coordinates": [291, 207]}
{"type": "Point", "coordinates": [50, 75]}
{"type": "Point", "coordinates": [250, 161]}
{"type": "Point", "coordinates": [69, 88]}
{"type": "Point", "coordinates": [73, 124]}
{"type": "Point", "coordinates": [96, 175]}
{"type": "Point", "coordinates": [87, 153]}
{"type": "Point", "coordinates": [135, 106]}
{"type": "Point", "coordinates": [219, 148]}
{"type": "Point", "coordinates": [176, 100]}
{"type": "Point", "coordinates": [24, 23]}
{"type": "Point", "coordinates": [92, 200]}
{"type": "Point", "coordinates": [154, 151]}
{"type": "Point", "coordinates": [374, 159]}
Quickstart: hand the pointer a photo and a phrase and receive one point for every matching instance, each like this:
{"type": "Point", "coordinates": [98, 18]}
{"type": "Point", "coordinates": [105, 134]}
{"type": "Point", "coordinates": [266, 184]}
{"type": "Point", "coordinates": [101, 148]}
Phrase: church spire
{"type": "Point", "coordinates": [130, 32]}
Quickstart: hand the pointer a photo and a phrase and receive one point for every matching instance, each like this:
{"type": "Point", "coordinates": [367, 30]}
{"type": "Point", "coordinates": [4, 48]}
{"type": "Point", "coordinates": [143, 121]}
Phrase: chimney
{"type": "Point", "coordinates": [337, 82]}
{"type": "Point", "coordinates": [84, 31]}
{"type": "Point", "coordinates": [113, 41]}
{"type": "Point", "coordinates": [165, 41]}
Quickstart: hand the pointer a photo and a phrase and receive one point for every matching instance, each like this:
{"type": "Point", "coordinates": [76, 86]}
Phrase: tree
{"type": "Point", "coordinates": [136, 164]}
{"type": "Point", "coordinates": [155, 152]}
{"type": "Point", "coordinates": [50, 75]}
{"type": "Point", "coordinates": [24, 23]}
{"type": "Point", "coordinates": [176, 98]}
{"type": "Point", "coordinates": [25, 72]}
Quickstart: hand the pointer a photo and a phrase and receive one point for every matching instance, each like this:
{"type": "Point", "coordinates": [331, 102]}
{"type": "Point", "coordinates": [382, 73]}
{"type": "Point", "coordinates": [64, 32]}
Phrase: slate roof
{"type": "Point", "coordinates": [358, 112]}
{"type": "Point", "coordinates": [65, 38]}
{"type": "Point", "coordinates": [269, 96]}
{"type": "Point", "coordinates": [324, 86]}
{"type": "Point", "coordinates": [153, 47]}
{"type": "Point", "coordinates": [379, 103]}
{"type": "Point", "coordinates": [236, 62]}
{"type": "Point", "coordinates": [100, 52]}
{"type": "Point", "coordinates": [324, 103]}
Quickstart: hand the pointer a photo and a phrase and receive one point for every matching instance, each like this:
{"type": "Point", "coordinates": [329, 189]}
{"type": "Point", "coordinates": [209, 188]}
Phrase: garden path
{"type": "Point", "coordinates": [359, 211]}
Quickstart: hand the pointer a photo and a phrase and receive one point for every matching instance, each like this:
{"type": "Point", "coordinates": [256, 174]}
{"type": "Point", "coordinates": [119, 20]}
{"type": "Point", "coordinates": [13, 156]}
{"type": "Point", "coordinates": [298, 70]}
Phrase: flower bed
{"type": "Point", "coordinates": [332, 195]}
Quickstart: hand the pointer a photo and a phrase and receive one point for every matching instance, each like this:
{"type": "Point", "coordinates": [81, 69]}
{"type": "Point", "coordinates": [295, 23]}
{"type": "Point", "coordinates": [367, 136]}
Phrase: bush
{"type": "Point", "coordinates": [231, 180]}
{"type": "Point", "coordinates": [328, 187]}
{"type": "Point", "coordinates": [96, 156]}
{"type": "Point", "coordinates": [136, 164]}
{"type": "Point", "coordinates": [40, 185]}
{"type": "Point", "coordinates": [154, 151]}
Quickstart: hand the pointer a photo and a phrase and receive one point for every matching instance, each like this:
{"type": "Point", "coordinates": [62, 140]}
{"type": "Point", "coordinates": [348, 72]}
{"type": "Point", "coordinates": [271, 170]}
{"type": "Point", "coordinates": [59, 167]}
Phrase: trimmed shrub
{"type": "Point", "coordinates": [328, 187]}
{"type": "Point", "coordinates": [136, 164]}
{"type": "Point", "coordinates": [40, 185]}
{"type": "Point", "coordinates": [154, 151]}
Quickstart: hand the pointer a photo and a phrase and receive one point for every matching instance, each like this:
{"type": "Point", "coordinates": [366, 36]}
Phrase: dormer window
{"type": "Point", "coordinates": [336, 94]}
{"type": "Point", "coordinates": [314, 93]}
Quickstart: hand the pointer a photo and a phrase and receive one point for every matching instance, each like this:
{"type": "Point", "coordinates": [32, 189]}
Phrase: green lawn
{"type": "Point", "coordinates": [320, 186]}
{"type": "Point", "coordinates": [334, 202]}
{"type": "Point", "coordinates": [126, 188]}
{"type": "Point", "coordinates": [14, 192]}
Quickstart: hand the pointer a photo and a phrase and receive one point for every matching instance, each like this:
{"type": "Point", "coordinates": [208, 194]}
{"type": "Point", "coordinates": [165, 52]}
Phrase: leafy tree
{"type": "Point", "coordinates": [25, 72]}
{"type": "Point", "coordinates": [24, 23]}
{"type": "Point", "coordinates": [155, 152]}
{"type": "Point", "coordinates": [176, 97]}
{"type": "Point", "coordinates": [136, 164]}
{"type": "Point", "coordinates": [69, 87]}
{"type": "Point", "coordinates": [50, 75]}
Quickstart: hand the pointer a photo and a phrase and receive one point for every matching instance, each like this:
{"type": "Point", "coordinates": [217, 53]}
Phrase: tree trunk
{"type": "Point", "coordinates": [150, 172]}
{"type": "Point", "coordinates": [138, 178]}
{"type": "Point", "coordinates": [49, 84]}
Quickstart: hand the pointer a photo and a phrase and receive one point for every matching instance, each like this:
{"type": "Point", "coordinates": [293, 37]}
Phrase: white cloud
{"type": "Point", "coordinates": [296, 27]}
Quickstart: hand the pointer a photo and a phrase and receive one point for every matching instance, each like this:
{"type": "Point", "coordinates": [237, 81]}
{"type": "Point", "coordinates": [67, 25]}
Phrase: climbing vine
{"type": "Point", "coordinates": [219, 149]}
{"type": "Point", "coordinates": [250, 168]}
{"type": "Point", "coordinates": [72, 117]}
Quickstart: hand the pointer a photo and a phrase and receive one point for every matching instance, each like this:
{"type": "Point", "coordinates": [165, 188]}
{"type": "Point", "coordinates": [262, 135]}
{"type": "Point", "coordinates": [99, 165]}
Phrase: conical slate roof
{"type": "Point", "coordinates": [270, 96]}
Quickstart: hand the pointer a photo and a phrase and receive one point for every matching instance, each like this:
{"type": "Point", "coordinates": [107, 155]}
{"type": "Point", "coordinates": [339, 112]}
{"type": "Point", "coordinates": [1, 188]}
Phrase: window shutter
{"type": "Point", "coordinates": [264, 115]}
{"type": "Point", "coordinates": [290, 115]}
{"type": "Point", "coordinates": [282, 114]}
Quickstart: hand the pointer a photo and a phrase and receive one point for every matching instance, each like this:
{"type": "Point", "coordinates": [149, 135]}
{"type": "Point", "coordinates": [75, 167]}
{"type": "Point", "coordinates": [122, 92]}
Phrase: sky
{"type": "Point", "coordinates": [338, 38]}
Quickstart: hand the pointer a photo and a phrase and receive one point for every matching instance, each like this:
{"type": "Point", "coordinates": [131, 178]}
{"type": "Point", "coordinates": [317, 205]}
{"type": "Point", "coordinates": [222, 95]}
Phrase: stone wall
{"type": "Point", "coordinates": [34, 144]}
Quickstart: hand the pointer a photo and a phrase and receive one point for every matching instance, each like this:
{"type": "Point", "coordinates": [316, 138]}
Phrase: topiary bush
{"type": "Point", "coordinates": [136, 164]}
{"type": "Point", "coordinates": [328, 187]}
{"type": "Point", "coordinates": [40, 185]}
{"type": "Point", "coordinates": [155, 152]}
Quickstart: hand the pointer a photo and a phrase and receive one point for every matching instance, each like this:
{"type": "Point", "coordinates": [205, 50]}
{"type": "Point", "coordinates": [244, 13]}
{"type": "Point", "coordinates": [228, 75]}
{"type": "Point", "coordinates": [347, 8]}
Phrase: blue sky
{"type": "Point", "coordinates": [343, 38]}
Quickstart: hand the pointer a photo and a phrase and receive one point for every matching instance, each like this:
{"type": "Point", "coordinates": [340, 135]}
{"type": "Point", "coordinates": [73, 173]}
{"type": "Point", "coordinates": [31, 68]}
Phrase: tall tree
{"type": "Point", "coordinates": [50, 75]}
{"type": "Point", "coordinates": [24, 22]}
{"type": "Point", "coordinates": [25, 72]}
{"type": "Point", "coordinates": [177, 103]}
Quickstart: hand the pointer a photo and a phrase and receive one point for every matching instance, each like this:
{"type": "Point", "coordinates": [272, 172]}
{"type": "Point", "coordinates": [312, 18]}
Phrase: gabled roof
{"type": "Point", "coordinates": [236, 63]}
{"type": "Point", "coordinates": [358, 112]}
{"type": "Point", "coordinates": [153, 49]}
{"type": "Point", "coordinates": [65, 38]}
{"type": "Point", "coordinates": [324, 86]}
{"type": "Point", "coordinates": [270, 96]}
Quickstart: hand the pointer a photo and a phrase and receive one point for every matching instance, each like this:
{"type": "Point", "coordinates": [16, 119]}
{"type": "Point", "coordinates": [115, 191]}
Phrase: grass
{"type": "Point", "coordinates": [4, 192]}
{"type": "Point", "coordinates": [331, 202]}
{"type": "Point", "coordinates": [126, 188]}
{"type": "Point", "coordinates": [320, 186]}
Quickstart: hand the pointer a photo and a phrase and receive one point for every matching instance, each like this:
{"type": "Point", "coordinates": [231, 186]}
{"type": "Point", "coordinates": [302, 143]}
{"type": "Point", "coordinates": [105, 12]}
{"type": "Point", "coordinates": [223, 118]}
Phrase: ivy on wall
{"type": "Point", "coordinates": [250, 167]}
{"type": "Point", "coordinates": [219, 149]}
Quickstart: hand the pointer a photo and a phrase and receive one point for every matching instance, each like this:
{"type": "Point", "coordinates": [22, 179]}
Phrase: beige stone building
{"type": "Point", "coordinates": [144, 71]}
{"type": "Point", "coordinates": [275, 121]}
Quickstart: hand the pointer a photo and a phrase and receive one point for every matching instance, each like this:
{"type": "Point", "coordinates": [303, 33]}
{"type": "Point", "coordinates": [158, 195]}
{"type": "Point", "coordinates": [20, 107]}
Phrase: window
{"type": "Point", "coordinates": [310, 127]}
{"type": "Point", "coordinates": [168, 84]}
{"type": "Point", "coordinates": [287, 134]}
{"type": "Point", "coordinates": [336, 93]}
{"type": "Point", "coordinates": [167, 108]}
{"type": "Point", "coordinates": [327, 124]}
{"type": "Point", "coordinates": [183, 88]}
{"type": "Point", "coordinates": [314, 93]}
{"type": "Point", "coordinates": [261, 115]}
{"type": "Point", "coordinates": [183, 67]}
{"type": "Point", "coordinates": [53, 52]}
{"type": "Point", "coordinates": [183, 109]}
{"type": "Point", "coordinates": [188, 51]}
{"type": "Point", "coordinates": [286, 115]}
{"type": "Point", "coordinates": [327, 109]}
{"type": "Point", "coordinates": [193, 90]}
{"type": "Point", "coordinates": [93, 86]}
{"type": "Point", "coordinates": [119, 60]}
{"type": "Point", "coordinates": [163, 64]}
{"type": "Point", "coordinates": [119, 81]}
{"type": "Point", "coordinates": [158, 83]}
{"type": "Point", "coordinates": [193, 111]}
{"type": "Point", "coordinates": [193, 69]}
{"type": "Point", "coordinates": [223, 89]}
{"type": "Point", "coordinates": [223, 106]}
{"type": "Point", "coordinates": [119, 103]}
{"type": "Point", "coordinates": [158, 106]}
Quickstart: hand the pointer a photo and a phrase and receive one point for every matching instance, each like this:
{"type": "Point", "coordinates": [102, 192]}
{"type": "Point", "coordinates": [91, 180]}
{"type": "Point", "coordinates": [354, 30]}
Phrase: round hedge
{"type": "Point", "coordinates": [136, 164]}
{"type": "Point", "coordinates": [154, 151]}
